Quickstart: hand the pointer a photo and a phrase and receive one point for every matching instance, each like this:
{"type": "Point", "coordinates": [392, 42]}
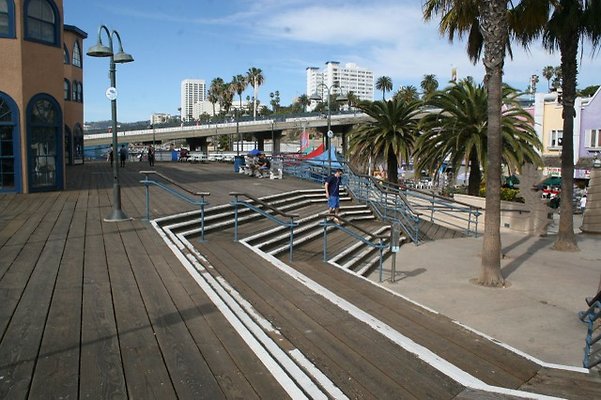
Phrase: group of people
{"type": "Point", "coordinates": [123, 153]}
{"type": "Point", "coordinates": [258, 166]}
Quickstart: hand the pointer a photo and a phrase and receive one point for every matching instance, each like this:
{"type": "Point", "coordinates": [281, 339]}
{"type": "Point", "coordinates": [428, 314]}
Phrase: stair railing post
{"type": "Point", "coordinates": [235, 218]}
{"type": "Point", "coordinates": [202, 219]}
{"type": "Point", "coordinates": [291, 238]}
{"type": "Point", "coordinates": [147, 195]}
{"type": "Point", "coordinates": [325, 239]}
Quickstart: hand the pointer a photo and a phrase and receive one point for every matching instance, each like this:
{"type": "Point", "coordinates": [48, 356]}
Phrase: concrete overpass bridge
{"type": "Point", "coordinates": [260, 129]}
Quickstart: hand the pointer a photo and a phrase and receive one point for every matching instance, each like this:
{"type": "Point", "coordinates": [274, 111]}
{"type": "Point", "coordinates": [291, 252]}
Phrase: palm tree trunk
{"type": "Point", "coordinates": [255, 101]}
{"type": "Point", "coordinates": [392, 165]}
{"type": "Point", "coordinates": [475, 178]}
{"type": "Point", "coordinates": [566, 240]}
{"type": "Point", "coordinates": [494, 29]}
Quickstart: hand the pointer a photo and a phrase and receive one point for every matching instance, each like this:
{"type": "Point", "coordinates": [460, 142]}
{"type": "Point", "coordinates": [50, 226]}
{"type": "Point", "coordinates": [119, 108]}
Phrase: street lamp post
{"type": "Point", "coordinates": [329, 134]}
{"type": "Point", "coordinates": [100, 50]}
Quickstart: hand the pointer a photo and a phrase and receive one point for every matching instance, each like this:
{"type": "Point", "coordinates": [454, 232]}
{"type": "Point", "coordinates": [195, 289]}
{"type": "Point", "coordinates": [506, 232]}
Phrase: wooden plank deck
{"type": "Point", "coordinates": [105, 310]}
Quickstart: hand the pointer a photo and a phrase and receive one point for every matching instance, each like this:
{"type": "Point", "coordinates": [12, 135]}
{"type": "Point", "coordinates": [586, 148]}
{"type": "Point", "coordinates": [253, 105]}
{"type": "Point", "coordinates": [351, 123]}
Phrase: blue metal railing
{"type": "Point", "coordinates": [263, 208]}
{"type": "Point", "coordinates": [357, 233]}
{"type": "Point", "coordinates": [192, 200]}
{"type": "Point", "coordinates": [592, 353]}
{"type": "Point", "coordinates": [392, 202]}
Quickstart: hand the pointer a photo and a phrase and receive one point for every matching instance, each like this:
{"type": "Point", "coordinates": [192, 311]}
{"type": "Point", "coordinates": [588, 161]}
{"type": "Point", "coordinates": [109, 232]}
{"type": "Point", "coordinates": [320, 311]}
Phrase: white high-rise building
{"type": "Point", "coordinates": [192, 91]}
{"type": "Point", "coordinates": [349, 78]}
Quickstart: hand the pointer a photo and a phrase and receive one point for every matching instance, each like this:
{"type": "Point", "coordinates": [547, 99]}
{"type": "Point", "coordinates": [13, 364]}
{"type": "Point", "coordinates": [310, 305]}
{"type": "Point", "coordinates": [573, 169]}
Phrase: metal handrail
{"type": "Point", "coordinates": [593, 334]}
{"type": "Point", "coordinates": [263, 211]}
{"type": "Point", "coordinates": [343, 225]}
{"type": "Point", "coordinates": [202, 202]}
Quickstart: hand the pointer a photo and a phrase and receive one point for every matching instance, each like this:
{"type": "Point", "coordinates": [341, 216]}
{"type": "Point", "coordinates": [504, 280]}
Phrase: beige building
{"type": "Point", "coordinates": [41, 95]}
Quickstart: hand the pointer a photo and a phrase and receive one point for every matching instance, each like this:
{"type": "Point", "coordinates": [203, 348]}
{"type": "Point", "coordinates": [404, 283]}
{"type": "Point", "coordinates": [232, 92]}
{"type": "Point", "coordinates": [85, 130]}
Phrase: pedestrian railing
{"type": "Point", "coordinates": [270, 212]}
{"type": "Point", "coordinates": [370, 239]}
{"type": "Point", "coordinates": [195, 198]}
{"type": "Point", "coordinates": [591, 317]}
{"type": "Point", "coordinates": [392, 202]}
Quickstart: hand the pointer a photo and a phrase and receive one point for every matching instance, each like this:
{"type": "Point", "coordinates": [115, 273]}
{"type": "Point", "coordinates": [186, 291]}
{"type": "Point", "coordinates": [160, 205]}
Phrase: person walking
{"type": "Point", "coordinates": [111, 156]}
{"type": "Point", "coordinates": [332, 188]}
{"type": "Point", "coordinates": [122, 155]}
{"type": "Point", "coordinates": [151, 155]}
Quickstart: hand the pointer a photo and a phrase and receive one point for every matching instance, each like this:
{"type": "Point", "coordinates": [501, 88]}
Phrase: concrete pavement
{"type": "Point", "coordinates": [536, 313]}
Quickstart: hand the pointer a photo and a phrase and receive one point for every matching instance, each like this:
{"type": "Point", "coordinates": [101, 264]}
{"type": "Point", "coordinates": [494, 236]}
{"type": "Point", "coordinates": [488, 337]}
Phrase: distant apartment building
{"type": "Point", "coordinates": [192, 91]}
{"type": "Point", "coordinates": [348, 78]}
{"type": "Point", "coordinates": [41, 96]}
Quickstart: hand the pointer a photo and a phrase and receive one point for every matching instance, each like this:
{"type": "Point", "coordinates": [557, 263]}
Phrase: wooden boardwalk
{"type": "Point", "coordinates": [106, 310]}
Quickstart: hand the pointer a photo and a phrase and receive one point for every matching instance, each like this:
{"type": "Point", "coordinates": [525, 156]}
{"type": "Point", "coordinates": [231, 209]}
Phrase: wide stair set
{"type": "Point", "coordinates": [274, 240]}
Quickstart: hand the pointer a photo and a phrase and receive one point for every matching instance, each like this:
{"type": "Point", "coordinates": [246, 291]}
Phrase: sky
{"type": "Point", "coordinates": [205, 39]}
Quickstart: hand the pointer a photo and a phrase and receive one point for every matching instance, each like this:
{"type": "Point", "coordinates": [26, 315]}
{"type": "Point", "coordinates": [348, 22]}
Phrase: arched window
{"type": "Point", "coordinates": [67, 90]}
{"type": "Point", "coordinates": [9, 146]}
{"type": "Point", "coordinates": [74, 91]}
{"type": "Point", "coordinates": [76, 55]}
{"type": "Point", "coordinates": [44, 147]}
{"type": "Point", "coordinates": [7, 18]}
{"type": "Point", "coordinates": [41, 21]}
{"type": "Point", "coordinates": [80, 92]}
{"type": "Point", "coordinates": [66, 54]}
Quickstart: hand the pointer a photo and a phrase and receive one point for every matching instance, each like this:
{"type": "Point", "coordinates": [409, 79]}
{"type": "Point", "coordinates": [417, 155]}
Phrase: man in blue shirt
{"type": "Point", "coordinates": [332, 187]}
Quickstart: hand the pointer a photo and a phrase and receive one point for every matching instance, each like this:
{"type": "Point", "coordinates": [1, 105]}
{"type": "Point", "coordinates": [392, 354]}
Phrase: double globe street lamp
{"type": "Point", "coordinates": [100, 50]}
{"type": "Point", "coordinates": [330, 134]}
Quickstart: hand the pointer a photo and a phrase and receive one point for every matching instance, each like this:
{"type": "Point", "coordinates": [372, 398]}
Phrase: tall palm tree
{"type": "Point", "coordinates": [458, 132]}
{"type": "Point", "coordinates": [304, 101]}
{"type": "Point", "coordinates": [384, 83]}
{"type": "Point", "coordinates": [391, 133]}
{"type": "Point", "coordinates": [486, 25]}
{"type": "Point", "coordinates": [429, 85]}
{"type": "Point", "coordinates": [239, 84]}
{"type": "Point", "coordinates": [255, 79]}
{"type": "Point", "coordinates": [215, 91]}
{"type": "Point", "coordinates": [563, 24]}
{"type": "Point", "coordinates": [548, 73]}
{"type": "Point", "coordinates": [407, 93]}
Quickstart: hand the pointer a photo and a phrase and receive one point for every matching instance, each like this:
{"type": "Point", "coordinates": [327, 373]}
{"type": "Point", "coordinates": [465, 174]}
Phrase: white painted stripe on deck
{"type": "Point", "coordinates": [420, 351]}
{"type": "Point", "coordinates": [323, 380]}
{"type": "Point", "coordinates": [289, 385]}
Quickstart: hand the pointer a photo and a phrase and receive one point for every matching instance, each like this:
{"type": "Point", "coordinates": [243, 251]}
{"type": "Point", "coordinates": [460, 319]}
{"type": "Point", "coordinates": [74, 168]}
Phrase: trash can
{"type": "Point", "coordinates": [238, 162]}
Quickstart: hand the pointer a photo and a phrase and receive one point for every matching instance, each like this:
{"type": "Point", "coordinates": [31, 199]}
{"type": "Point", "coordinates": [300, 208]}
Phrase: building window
{"type": "Point", "coordinates": [593, 138]}
{"type": "Point", "coordinates": [7, 18]}
{"type": "Point", "coordinates": [80, 92]}
{"type": "Point", "coordinates": [556, 139]}
{"type": "Point", "coordinates": [76, 55]}
{"type": "Point", "coordinates": [9, 137]}
{"type": "Point", "coordinates": [44, 143]}
{"type": "Point", "coordinates": [67, 90]}
{"type": "Point", "coordinates": [74, 91]}
{"type": "Point", "coordinates": [66, 55]}
{"type": "Point", "coordinates": [41, 23]}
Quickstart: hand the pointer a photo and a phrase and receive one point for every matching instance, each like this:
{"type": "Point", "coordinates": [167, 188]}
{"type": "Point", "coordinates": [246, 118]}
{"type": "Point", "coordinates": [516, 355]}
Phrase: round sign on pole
{"type": "Point", "coordinates": [330, 134]}
{"type": "Point", "coordinates": [111, 93]}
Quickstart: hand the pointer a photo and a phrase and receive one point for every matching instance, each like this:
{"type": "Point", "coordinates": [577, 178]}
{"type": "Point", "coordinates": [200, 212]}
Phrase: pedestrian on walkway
{"type": "Point", "coordinates": [123, 155]}
{"type": "Point", "coordinates": [110, 156]}
{"type": "Point", "coordinates": [332, 187]}
{"type": "Point", "coordinates": [151, 155]}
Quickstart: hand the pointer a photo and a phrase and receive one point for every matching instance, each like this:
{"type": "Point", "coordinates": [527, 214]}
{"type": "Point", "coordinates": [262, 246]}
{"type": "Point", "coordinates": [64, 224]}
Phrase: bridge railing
{"type": "Point", "coordinates": [591, 317]}
{"type": "Point", "coordinates": [195, 198]}
{"type": "Point", "coordinates": [270, 212]}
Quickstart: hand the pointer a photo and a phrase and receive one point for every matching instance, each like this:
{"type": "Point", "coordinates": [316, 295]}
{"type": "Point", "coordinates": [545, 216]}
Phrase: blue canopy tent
{"type": "Point", "coordinates": [322, 159]}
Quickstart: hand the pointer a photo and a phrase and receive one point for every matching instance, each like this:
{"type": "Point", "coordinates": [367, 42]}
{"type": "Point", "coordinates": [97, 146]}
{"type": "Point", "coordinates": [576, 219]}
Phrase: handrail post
{"type": "Point", "coordinates": [381, 256]}
{"type": "Point", "coordinates": [291, 237]}
{"type": "Point", "coordinates": [235, 218]}
{"type": "Point", "coordinates": [325, 239]}
{"type": "Point", "coordinates": [147, 195]}
{"type": "Point", "coordinates": [202, 219]}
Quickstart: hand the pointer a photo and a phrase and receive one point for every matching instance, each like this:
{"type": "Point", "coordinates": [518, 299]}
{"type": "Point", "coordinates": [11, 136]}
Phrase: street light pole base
{"type": "Point", "coordinates": [117, 216]}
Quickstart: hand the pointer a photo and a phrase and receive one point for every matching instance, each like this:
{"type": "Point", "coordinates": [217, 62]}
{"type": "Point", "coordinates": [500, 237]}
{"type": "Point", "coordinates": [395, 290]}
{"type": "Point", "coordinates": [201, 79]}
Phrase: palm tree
{"type": "Point", "coordinates": [562, 24]}
{"type": "Point", "coordinates": [239, 84]}
{"type": "Point", "coordinates": [407, 93]}
{"type": "Point", "coordinates": [485, 23]}
{"type": "Point", "coordinates": [429, 85]}
{"type": "Point", "coordinates": [255, 79]}
{"type": "Point", "coordinates": [548, 73]}
{"type": "Point", "coordinates": [391, 133]}
{"type": "Point", "coordinates": [304, 101]}
{"type": "Point", "coordinates": [215, 92]}
{"type": "Point", "coordinates": [384, 83]}
{"type": "Point", "coordinates": [459, 132]}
